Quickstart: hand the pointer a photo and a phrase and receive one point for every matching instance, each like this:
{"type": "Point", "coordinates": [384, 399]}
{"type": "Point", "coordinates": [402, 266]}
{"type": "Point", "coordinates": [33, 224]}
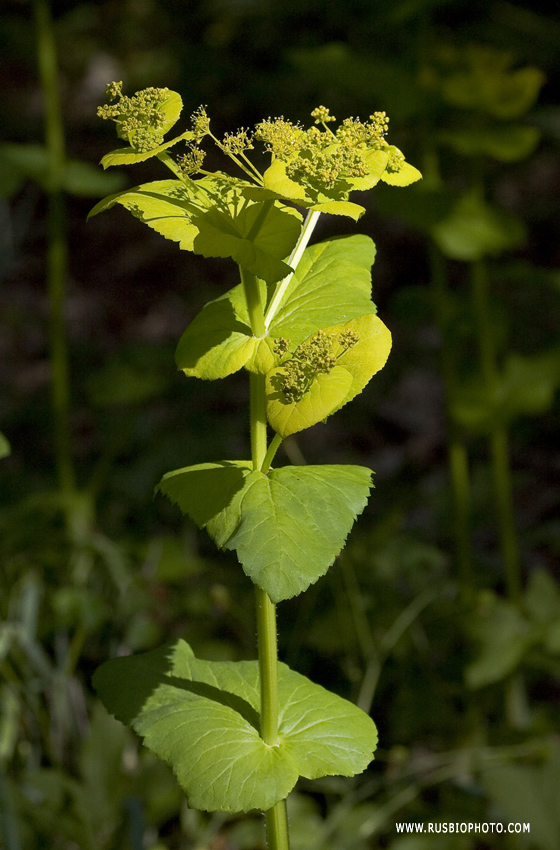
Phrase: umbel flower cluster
{"type": "Point", "coordinates": [323, 157]}
{"type": "Point", "coordinates": [139, 119]}
{"type": "Point", "coordinates": [311, 358]}
{"type": "Point", "coordinates": [325, 163]}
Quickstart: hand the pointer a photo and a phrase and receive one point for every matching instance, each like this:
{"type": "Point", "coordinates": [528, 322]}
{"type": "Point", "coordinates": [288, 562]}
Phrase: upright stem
{"type": "Point", "coordinates": [501, 471]}
{"type": "Point", "coordinates": [275, 819]}
{"type": "Point", "coordinates": [57, 244]}
{"type": "Point", "coordinates": [268, 667]}
{"type": "Point", "coordinates": [456, 448]}
{"type": "Point", "coordinates": [254, 302]}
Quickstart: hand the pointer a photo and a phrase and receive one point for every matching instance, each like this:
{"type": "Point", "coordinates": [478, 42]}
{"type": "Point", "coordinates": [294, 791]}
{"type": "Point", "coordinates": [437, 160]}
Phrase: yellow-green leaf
{"type": "Point", "coordinates": [329, 392]}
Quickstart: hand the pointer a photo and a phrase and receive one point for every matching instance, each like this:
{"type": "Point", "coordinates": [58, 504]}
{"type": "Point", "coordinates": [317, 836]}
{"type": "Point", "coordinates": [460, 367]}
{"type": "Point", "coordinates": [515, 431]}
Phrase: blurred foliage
{"type": "Point", "coordinates": [465, 692]}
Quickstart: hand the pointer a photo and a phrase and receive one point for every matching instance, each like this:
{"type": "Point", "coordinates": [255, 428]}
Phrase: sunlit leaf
{"type": "Point", "coordinates": [406, 175]}
{"type": "Point", "coordinates": [329, 392]}
{"type": "Point", "coordinates": [347, 208]}
{"type": "Point", "coordinates": [129, 155]}
{"type": "Point", "coordinates": [216, 343]}
{"type": "Point", "coordinates": [202, 718]}
{"type": "Point", "coordinates": [332, 283]}
{"type": "Point", "coordinates": [212, 217]}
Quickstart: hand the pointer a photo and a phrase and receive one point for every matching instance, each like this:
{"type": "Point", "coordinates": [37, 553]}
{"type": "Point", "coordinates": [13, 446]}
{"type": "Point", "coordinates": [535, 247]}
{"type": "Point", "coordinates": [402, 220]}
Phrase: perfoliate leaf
{"type": "Point", "coordinates": [129, 155]}
{"type": "Point", "coordinates": [202, 717]}
{"type": "Point", "coordinates": [171, 107]}
{"type": "Point", "coordinates": [376, 161]}
{"type": "Point", "coordinates": [354, 211]}
{"type": "Point", "coordinates": [287, 526]}
{"type": "Point", "coordinates": [277, 182]}
{"type": "Point", "coordinates": [329, 391]}
{"type": "Point", "coordinates": [211, 494]}
{"type": "Point", "coordinates": [132, 124]}
{"type": "Point", "coordinates": [331, 284]}
{"type": "Point", "coordinates": [406, 175]}
{"type": "Point", "coordinates": [213, 217]}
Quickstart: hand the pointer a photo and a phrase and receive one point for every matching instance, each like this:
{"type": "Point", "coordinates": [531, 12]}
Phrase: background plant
{"type": "Point", "coordinates": [126, 430]}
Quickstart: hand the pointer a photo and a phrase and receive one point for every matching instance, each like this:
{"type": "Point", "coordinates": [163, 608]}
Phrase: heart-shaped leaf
{"type": "Point", "coordinates": [287, 526]}
{"type": "Point", "coordinates": [202, 717]}
{"type": "Point", "coordinates": [293, 406]}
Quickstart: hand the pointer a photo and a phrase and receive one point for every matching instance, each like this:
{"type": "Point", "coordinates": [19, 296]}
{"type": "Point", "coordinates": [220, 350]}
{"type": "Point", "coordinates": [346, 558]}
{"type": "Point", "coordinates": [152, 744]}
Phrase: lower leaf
{"type": "Point", "coordinates": [202, 717]}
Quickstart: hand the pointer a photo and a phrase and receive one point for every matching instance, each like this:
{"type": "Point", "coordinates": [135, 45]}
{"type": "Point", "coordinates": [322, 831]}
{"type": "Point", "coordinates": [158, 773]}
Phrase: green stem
{"type": "Point", "coordinates": [57, 253]}
{"type": "Point", "coordinates": [258, 420]}
{"type": "Point", "coordinates": [456, 448]}
{"type": "Point", "coordinates": [254, 303]}
{"type": "Point", "coordinates": [501, 470]}
{"type": "Point", "coordinates": [268, 666]}
{"type": "Point", "coordinates": [272, 449]}
{"type": "Point", "coordinates": [275, 819]}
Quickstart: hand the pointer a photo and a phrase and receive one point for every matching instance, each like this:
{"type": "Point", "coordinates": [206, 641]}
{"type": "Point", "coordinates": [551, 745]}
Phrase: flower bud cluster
{"type": "Point", "coordinates": [191, 162]}
{"type": "Point", "coordinates": [310, 359]}
{"type": "Point", "coordinates": [139, 118]}
{"type": "Point", "coordinates": [323, 158]}
{"type": "Point", "coordinates": [234, 144]}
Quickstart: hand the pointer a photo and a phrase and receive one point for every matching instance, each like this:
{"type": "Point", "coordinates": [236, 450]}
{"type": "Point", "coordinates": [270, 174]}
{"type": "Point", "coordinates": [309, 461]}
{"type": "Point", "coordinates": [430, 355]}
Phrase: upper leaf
{"type": "Point", "coordinates": [202, 718]}
{"type": "Point", "coordinates": [287, 527]}
{"type": "Point", "coordinates": [293, 406]}
{"type": "Point", "coordinates": [142, 120]}
{"type": "Point", "coordinates": [332, 283]}
{"type": "Point", "coordinates": [212, 217]}
{"type": "Point", "coordinates": [129, 155]}
{"type": "Point", "coordinates": [279, 185]}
